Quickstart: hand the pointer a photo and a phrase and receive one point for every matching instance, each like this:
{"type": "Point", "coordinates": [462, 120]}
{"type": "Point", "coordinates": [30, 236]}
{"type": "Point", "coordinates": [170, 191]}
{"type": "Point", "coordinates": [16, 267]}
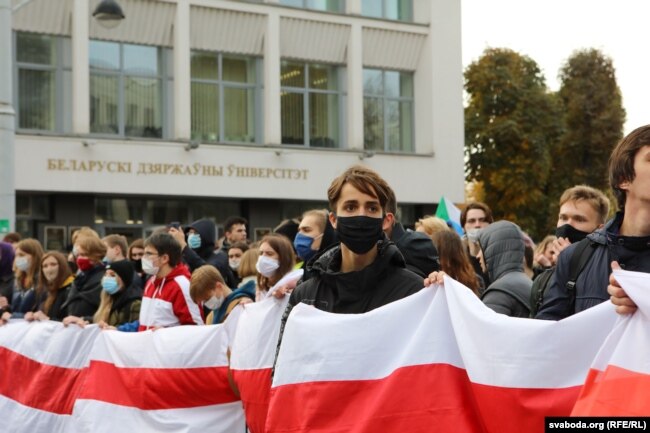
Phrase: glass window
{"type": "Point", "coordinates": [40, 81]}
{"type": "Point", "coordinates": [310, 104]}
{"type": "Point", "coordinates": [321, 5]}
{"type": "Point", "coordinates": [388, 110]}
{"type": "Point", "coordinates": [118, 210]}
{"type": "Point", "coordinates": [126, 89]}
{"type": "Point", "coordinates": [225, 92]}
{"type": "Point", "coordinates": [401, 10]}
{"type": "Point", "coordinates": [165, 211]}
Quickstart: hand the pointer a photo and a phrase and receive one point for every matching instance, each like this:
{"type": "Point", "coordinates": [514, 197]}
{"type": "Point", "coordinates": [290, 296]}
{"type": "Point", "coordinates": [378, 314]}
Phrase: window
{"type": "Point", "coordinates": [401, 10]}
{"type": "Point", "coordinates": [310, 100]}
{"type": "Point", "coordinates": [321, 5]}
{"type": "Point", "coordinates": [125, 89]}
{"type": "Point", "coordinates": [388, 110]}
{"type": "Point", "coordinates": [40, 73]}
{"type": "Point", "coordinates": [225, 95]}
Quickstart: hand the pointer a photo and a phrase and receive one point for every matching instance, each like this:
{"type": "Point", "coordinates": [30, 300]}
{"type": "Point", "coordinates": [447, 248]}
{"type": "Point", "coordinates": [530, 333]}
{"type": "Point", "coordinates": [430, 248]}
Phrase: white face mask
{"type": "Point", "coordinates": [234, 264]}
{"type": "Point", "coordinates": [148, 267]}
{"type": "Point", "coordinates": [51, 273]}
{"type": "Point", "coordinates": [22, 263]}
{"type": "Point", "coordinates": [267, 266]}
{"type": "Point", "coordinates": [213, 303]}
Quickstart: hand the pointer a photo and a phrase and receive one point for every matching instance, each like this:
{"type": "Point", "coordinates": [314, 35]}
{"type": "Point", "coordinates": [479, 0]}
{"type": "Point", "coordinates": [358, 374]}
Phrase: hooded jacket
{"type": "Point", "coordinates": [503, 252]}
{"type": "Point", "coordinates": [205, 254]}
{"type": "Point", "coordinates": [167, 302]}
{"type": "Point", "coordinates": [419, 252]}
{"type": "Point", "coordinates": [633, 254]}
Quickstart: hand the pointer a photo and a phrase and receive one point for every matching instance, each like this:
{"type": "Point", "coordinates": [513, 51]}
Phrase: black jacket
{"type": "Point", "coordinates": [503, 252]}
{"type": "Point", "coordinates": [57, 312]}
{"type": "Point", "coordinates": [383, 281]}
{"type": "Point", "coordinates": [205, 254]}
{"type": "Point", "coordinates": [418, 250]}
{"type": "Point", "coordinates": [83, 298]}
{"type": "Point", "coordinates": [633, 254]}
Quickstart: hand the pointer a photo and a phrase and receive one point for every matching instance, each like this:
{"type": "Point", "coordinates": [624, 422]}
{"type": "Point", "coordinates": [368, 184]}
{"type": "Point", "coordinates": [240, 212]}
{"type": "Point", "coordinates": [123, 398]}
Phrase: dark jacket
{"type": "Point", "coordinates": [419, 252]}
{"type": "Point", "coordinates": [126, 306]}
{"type": "Point", "coordinates": [56, 311]}
{"type": "Point", "coordinates": [7, 278]}
{"type": "Point", "coordinates": [25, 299]}
{"type": "Point", "coordinates": [385, 280]}
{"type": "Point", "coordinates": [503, 252]}
{"type": "Point", "coordinates": [205, 254]}
{"type": "Point", "coordinates": [632, 254]}
{"type": "Point", "coordinates": [83, 298]}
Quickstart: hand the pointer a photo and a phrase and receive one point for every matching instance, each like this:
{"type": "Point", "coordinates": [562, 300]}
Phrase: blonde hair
{"type": "Point", "coordinates": [432, 225]}
{"type": "Point", "coordinates": [204, 279]}
{"type": "Point", "coordinates": [95, 248]}
{"type": "Point", "coordinates": [247, 265]}
{"type": "Point", "coordinates": [592, 196]}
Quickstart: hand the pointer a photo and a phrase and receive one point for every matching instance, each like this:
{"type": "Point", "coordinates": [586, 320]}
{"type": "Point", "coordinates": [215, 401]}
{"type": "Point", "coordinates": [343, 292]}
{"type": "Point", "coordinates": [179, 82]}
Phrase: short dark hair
{"type": "Point", "coordinates": [365, 180]}
{"type": "Point", "coordinates": [231, 221]}
{"type": "Point", "coordinates": [476, 205]}
{"type": "Point", "coordinates": [164, 243]}
{"type": "Point", "coordinates": [621, 161]}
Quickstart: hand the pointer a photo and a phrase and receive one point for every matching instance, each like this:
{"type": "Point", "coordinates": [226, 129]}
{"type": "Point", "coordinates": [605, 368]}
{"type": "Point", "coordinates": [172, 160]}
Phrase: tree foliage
{"type": "Point", "coordinates": [511, 124]}
{"type": "Point", "coordinates": [593, 120]}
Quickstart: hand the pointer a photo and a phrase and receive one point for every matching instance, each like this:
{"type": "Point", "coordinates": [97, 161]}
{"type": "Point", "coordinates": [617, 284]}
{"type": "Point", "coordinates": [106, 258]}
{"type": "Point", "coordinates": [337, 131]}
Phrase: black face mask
{"type": "Point", "coordinates": [359, 233]}
{"type": "Point", "coordinates": [571, 233]}
{"type": "Point", "coordinates": [137, 264]}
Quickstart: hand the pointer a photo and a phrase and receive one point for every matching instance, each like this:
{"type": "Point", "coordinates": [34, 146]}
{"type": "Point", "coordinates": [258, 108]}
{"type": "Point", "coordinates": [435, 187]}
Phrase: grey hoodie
{"type": "Point", "coordinates": [503, 251]}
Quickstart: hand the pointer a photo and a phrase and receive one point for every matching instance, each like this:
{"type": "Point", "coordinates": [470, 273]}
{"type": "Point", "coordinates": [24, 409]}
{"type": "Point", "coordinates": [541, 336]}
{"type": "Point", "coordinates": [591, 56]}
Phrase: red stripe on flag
{"type": "Point", "coordinates": [515, 410]}
{"type": "Point", "coordinates": [614, 392]}
{"type": "Point", "coordinates": [157, 388]}
{"type": "Point", "coordinates": [423, 398]}
{"type": "Point", "coordinates": [255, 392]}
{"type": "Point", "coordinates": [40, 386]}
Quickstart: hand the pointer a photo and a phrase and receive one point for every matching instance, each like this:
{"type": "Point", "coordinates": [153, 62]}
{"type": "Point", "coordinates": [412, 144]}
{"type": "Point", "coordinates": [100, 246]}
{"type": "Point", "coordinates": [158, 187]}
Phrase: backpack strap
{"type": "Point", "coordinates": [582, 254]}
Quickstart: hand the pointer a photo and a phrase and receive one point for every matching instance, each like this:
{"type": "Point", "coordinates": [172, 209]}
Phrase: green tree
{"type": "Point", "coordinates": [511, 122]}
{"type": "Point", "coordinates": [593, 120]}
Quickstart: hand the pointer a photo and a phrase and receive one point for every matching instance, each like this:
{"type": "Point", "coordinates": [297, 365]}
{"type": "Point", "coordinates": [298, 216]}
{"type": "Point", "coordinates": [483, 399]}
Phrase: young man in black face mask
{"type": "Point", "coordinates": [624, 240]}
{"type": "Point", "coordinates": [366, 270]}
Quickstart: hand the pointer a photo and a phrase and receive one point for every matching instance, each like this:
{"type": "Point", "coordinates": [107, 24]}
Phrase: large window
{"type": "Point", "coordinates": [388, 110]}
{"type": "Point", "coordinates": [321, 5]}
{"type": "Point", "coordinates": [40, 65]}
{"type": "Point", "coordinates": [225, 98]}
{"type": "Point", "coordinates": [126, 89]}
{"type": "Point", "coordinates": [310, 101]}
{"type": "Point", "coordinates": [401, 10]}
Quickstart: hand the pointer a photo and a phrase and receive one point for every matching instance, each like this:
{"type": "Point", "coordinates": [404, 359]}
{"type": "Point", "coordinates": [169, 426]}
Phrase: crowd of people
{"type": "Point", "coordinates": [353, 258]}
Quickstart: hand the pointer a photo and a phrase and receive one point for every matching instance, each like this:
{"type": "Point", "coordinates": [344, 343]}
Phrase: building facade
{"type": "Point", "coordinates": [212, 108]}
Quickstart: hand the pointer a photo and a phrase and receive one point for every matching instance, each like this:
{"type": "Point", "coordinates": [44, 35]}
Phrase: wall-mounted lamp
{"type": "Point", "coordinates": [192, 145]}
{"type": "Point", "coordinates": [108, 14]}
{"type": "Point", "coordinates": [88, 143]}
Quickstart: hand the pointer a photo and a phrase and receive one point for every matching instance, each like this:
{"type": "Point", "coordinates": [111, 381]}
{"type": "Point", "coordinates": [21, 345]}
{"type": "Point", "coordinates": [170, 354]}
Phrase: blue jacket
{"type": "Point", "coordinates": [632, 254]}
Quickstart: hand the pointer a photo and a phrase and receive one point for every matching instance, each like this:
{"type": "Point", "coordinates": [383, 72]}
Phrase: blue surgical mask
{"type": "Point", "coordinates": [110, 285]}
{"type": "Point", "coordinates": [194, 240]}
{"type": "Point", "coordinates": [302, 243]}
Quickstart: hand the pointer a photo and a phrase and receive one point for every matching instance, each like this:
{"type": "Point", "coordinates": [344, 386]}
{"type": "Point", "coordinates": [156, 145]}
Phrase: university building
{"type": "Point", "coordinates": [212, 108]}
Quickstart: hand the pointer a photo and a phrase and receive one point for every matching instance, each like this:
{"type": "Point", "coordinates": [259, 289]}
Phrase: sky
{"type": "Point", "coordinates": [550, 31]}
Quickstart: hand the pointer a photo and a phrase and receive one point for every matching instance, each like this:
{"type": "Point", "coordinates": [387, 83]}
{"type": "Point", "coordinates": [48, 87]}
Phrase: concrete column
{"type": "Point", "coordinates": [182, 72]}
{"type": "Point", "coordinates": [80, 68]}
{"type": "Point", "coordinates": [7, 122]}
{"type": "Point", "coordinates": [355, 88]}
{"type": "Point", "coordinates": [272, 123]}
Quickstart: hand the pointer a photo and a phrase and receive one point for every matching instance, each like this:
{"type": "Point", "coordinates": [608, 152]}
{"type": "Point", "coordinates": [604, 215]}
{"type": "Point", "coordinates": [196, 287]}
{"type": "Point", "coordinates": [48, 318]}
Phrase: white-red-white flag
{"type": "Point", "coordinates": [619, 380]}
{"type": "Point", "coordinates": [438, 360]}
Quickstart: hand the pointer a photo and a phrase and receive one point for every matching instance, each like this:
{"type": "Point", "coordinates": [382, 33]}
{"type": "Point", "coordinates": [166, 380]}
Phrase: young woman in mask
{"type": "Point", "coordinates": [274, 265]}
{"type": "Point", "coordinates": [120, 298]}
{"type": "Point", "coordinates": [56, 279]}
{"type": "Point", "coordinates": [27, 263]}
{"type": "Point", "coordinates": [84, 297]}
